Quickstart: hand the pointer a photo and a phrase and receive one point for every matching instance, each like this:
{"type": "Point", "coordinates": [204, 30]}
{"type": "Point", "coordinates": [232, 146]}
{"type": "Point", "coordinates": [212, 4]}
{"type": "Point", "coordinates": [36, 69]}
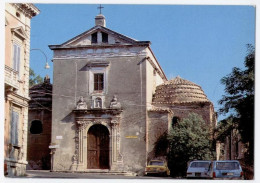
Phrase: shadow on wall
{"type": "Point", "coordinates": [160, 148]}
{"type": "Point", "coordinates": [43, 164]}
{"type": "Point", "coordinates": [69, 118]}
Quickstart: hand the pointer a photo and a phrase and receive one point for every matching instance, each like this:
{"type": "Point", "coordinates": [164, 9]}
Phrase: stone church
{"type": "Point", "coordinates": [112, 100]}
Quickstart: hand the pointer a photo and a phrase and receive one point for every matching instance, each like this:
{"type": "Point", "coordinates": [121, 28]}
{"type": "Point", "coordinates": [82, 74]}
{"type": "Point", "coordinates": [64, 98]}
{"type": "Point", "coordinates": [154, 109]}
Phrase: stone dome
{"type": "Point", "coordinates": [178, 91]}
{"type": "Point", "coordinates": [41, 95]}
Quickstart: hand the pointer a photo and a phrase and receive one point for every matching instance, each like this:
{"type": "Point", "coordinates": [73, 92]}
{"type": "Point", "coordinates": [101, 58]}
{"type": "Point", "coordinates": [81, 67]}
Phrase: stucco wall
{"type": "Point", "coordinates": [158, 124]}
{"type": "Point", "coordinates": [17, 19]}
{"type": "Point", "coordinates": [126, 78]}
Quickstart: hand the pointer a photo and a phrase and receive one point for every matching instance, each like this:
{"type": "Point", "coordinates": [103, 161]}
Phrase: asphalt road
{"type": "Point", "coordinates": [60, 175]}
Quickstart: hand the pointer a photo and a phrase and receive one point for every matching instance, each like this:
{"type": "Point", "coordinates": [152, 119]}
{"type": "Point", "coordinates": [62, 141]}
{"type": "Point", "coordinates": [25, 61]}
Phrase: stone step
{"type": "Point", "coordinates": [104, 172]}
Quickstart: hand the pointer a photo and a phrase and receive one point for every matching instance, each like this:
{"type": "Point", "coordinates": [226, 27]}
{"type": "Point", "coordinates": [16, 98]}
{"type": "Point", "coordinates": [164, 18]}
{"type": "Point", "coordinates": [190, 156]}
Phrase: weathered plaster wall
{"type": "Point", "coordinates": [158, 123]}
{"type": "Point", "coordinates": [126, 77]}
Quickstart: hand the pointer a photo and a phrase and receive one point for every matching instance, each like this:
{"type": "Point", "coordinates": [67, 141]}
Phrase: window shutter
{"type": "Point", "coordinates": [16, 57]}
{"type": "Point", "coordinates": [14, 127]}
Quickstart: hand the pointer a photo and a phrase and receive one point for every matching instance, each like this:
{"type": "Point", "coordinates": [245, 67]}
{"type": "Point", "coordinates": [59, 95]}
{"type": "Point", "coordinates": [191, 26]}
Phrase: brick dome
{"type": "Point", "coordinates": [41, 95]}
{"type": "Point", "coordinates": [178, 91]}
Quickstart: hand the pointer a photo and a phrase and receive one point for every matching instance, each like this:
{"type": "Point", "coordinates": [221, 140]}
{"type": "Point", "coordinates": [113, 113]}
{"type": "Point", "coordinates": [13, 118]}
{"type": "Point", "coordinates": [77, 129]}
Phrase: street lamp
{"type": "Point", "coordinates": [46, 65]}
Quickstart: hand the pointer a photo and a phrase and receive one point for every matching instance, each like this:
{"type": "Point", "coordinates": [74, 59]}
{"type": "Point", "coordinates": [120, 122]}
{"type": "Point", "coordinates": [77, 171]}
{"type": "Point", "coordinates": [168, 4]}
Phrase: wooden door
{"type": "Point", "coordinates": [98, 147]}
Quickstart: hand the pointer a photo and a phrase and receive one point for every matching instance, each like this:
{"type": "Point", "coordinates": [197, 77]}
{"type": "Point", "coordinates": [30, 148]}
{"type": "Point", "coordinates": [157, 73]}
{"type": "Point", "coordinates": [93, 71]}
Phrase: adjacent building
{"type": "Point", "coordinates": [39, 126]}
{"type": "Point", "coordinates": [112, 100]}
{"type": "Point", "coordinates": [17, 51]}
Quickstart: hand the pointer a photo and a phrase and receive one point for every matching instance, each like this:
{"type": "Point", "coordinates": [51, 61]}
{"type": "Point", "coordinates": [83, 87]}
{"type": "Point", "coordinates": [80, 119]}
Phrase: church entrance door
{"type": "Point", "coordinates": [98, 147]}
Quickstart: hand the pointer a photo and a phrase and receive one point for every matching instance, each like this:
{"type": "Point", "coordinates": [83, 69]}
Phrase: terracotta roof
{"type": "Point", "coordinates": [178, 91]}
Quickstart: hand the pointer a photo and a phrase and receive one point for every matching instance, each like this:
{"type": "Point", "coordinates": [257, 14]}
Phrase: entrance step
{"type": "Point", "coordinates": [106, 172]}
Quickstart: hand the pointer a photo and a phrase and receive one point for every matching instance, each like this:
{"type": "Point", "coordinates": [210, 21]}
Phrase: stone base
{"type": "Point", "coordinates": [16, 168]}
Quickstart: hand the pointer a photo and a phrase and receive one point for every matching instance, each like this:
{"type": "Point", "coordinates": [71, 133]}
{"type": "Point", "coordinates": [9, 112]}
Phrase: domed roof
{"type": "Point", "coordinates": [178, 91]}
{"type": "Point", "coordinates": [41, 95]}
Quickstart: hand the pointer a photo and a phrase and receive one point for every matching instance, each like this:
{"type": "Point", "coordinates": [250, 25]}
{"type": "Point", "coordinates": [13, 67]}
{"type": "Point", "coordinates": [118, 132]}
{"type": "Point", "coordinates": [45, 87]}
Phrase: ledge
{"type": "Point", "coordinates": [98, 111]}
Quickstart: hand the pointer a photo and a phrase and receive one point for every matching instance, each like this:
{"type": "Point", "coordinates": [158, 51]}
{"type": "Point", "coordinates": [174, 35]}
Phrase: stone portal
{"type": "Point", "coordinates": [97, 140]}
{"type": "Point", "coordinates": [98, 147]}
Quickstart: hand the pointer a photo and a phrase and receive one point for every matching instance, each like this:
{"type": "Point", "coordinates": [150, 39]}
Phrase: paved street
{"type": "Point", "coordinates": [48, 174]}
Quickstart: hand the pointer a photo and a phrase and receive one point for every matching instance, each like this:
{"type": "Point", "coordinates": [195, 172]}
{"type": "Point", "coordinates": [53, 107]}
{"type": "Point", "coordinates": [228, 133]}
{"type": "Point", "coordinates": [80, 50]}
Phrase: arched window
{"type": "Point", "coordinates": [175, 119]}
{"type": "Point", "coordinates": [36, 127]}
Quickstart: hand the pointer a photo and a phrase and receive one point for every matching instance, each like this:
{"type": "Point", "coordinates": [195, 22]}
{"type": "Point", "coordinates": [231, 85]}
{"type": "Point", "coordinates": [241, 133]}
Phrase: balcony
{"type": "Point", "coordinates": [11, 78]}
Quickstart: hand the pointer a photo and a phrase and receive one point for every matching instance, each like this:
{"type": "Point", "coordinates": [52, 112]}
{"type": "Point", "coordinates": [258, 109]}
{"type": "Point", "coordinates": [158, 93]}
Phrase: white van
{"type": "Point", "coordinates": [198, 169]}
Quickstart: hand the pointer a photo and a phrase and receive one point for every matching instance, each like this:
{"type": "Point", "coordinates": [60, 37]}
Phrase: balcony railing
{"type": "Point", "coordinates": [11, 77]}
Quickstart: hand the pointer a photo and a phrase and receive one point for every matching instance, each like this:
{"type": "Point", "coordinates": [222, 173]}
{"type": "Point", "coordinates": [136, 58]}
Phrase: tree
{"type": "Point", "coordinates": [189, 139]}
{"type": "Point", "coordinates": [224, 129]}
{"type": "Point", "coordinates": [33, 79]}
{"type": "Point", "coordinates": [239, 99]}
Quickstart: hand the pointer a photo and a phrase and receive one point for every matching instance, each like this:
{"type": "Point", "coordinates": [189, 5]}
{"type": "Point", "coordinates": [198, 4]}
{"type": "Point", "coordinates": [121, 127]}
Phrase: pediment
{"type": "Point", "coordinates": [19, 32]}
{"type": "Point", "coordinates": [85, 38]}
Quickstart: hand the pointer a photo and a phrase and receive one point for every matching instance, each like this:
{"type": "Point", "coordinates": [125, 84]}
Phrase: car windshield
{"type": "Point", "coordinates": [160, 163]}
{"type": "Point", "coordinates": [227, 166]}
{"type": "Point", "coordinates": [200, 165]}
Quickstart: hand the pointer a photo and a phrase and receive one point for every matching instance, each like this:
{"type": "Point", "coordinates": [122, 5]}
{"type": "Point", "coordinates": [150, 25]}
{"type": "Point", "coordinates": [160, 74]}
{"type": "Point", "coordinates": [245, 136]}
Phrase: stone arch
{"type": "Point", "coordinates": [104, 123]}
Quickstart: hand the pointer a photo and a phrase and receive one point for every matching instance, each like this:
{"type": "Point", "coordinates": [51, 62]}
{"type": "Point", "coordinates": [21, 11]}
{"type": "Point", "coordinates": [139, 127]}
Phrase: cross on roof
{"type": "Point", "coordinates": [100, 7]}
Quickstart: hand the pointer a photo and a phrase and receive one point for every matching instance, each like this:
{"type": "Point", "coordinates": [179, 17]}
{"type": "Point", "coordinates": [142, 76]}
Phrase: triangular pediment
{"type": "Point", "coordinates": [19, 32]}
{"type": "Point", "coordinates": [86, 38]}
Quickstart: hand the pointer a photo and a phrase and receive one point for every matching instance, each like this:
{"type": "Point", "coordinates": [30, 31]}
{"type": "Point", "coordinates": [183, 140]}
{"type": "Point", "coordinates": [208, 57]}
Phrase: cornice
{"type": "Point", "coordinates": [27, 8]}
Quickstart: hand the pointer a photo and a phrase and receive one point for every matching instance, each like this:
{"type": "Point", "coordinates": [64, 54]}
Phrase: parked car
{"type": "Point", "coordinates": [198, 169]}
{"type": "Point", "coordinates": [228, 169]}
{"type": "Point", "coordinates": [158, 167]}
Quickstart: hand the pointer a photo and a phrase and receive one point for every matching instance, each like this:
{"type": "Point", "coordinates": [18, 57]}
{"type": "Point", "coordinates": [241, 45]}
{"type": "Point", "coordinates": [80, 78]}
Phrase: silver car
{"type": "Point", "coordinates": [227, 169]}
{"type": "Point", "coordinates": [198, 169]}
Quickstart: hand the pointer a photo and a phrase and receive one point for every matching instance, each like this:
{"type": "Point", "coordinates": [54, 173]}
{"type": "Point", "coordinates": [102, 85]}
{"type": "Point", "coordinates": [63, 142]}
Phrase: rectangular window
{"type": "Point", "coordinates": [104, 37]}
{"type": "Point", "coordinates": [98, 82]}
{"type": "Point", "coordinates": [14, 127]}
{"type": "Point", "coordinates": [94, 38]}
{"type": "Point", "coordinates": [16, 57]}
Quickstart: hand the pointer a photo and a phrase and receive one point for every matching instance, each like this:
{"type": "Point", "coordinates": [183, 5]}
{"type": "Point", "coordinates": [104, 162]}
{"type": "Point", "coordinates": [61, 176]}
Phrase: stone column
{"type": "Point", "coordinates": [117, 160]}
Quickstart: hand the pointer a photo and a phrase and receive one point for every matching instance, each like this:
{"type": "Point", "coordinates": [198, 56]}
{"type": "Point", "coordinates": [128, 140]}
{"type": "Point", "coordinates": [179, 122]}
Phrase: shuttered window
{"type": "Point", "coordinates": [14, 127]}
{"type": "Point", "coordinates": [16, 57]}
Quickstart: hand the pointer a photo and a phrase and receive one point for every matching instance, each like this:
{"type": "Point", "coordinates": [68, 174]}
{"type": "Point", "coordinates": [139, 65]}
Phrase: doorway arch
{"type": "Point", "coordinates": [98, 147]}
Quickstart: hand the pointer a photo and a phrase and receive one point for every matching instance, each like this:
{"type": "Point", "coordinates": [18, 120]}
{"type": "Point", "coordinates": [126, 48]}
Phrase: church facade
{"type": "Point", "coordinates": [109, 102]}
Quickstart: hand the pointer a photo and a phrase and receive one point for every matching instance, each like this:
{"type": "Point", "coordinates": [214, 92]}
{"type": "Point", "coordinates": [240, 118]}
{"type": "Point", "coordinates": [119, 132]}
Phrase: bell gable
{"type": "Point", "coordinates": [99, 36]}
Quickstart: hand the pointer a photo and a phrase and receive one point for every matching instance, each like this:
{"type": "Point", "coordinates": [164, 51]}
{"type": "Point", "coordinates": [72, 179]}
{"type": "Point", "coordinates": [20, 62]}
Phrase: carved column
{"type": "Point", "coordinates": [117, 159]}
{"type": "Point", "coordinates": [78, 157]}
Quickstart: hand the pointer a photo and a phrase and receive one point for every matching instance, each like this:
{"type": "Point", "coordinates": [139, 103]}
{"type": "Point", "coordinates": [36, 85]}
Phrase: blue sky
{"type": "Point", "coordinates": [199, 43]}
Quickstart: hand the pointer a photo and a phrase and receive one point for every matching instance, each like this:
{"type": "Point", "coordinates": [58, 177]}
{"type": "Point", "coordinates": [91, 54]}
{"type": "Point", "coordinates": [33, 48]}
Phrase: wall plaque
{"type": "Point", "coordinates": [59, 137]}
{"type": "Point", "coordinates": [131, 137]}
